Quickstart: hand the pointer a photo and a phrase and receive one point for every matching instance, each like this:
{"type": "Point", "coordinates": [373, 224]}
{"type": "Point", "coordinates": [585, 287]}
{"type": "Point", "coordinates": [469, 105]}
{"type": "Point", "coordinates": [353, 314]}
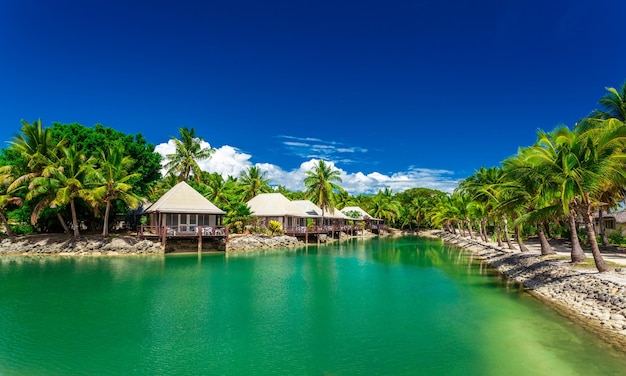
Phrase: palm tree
{"type": "Point", "coordinates": [184, 161]}
{"type": "Point", "coordinates": [383, 206]}
{"type": "Point", "coordinates": [614, 104]}
{"type": "Point", "coordinates": [34, 144]}
{"type": "Point", "coordinates": [321, 185]}
{"type": "Point", "coordinates": [110, 182]}
{"type": "Point", "coordinates": [252, 182]}
{"type": "Point", "coordinates": [66, 180]}
{"type": "Point", "coordinates": [581, 162]}
{"type": "Point", "coordinates": [7, 198]}
{"type": "Point", "coordinates": [217, 189]}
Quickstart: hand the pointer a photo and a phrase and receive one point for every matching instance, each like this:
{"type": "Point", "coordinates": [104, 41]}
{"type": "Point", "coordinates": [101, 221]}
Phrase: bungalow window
{"type": "Point", "coordinates": [609, 224]}
{"type": "Point", "coordinates": [171, 219]}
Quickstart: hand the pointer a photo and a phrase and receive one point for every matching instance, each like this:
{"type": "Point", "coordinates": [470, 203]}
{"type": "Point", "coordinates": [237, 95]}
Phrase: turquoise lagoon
{"type": "Point", "coordinates": [405, 306]}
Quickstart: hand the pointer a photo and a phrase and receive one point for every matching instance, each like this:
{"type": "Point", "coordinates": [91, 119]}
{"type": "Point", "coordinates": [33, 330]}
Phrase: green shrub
{"type": "Point", "coordinates": [275, 227]}
{"type": "Point", "coordinates": [616, 237]}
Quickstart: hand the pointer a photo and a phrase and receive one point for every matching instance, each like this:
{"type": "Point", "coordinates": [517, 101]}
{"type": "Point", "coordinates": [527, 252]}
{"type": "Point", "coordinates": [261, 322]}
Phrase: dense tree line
{"type": "Point", "coordinates": [70, 173]}
{"type": "Point", "coordinates": [559, 184]}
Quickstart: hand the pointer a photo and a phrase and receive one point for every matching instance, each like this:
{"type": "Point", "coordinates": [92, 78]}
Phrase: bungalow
{"type": "Point", "coordinates": [334, 221]}
{"type": "Point", "coordinates": [613, 221]}
{"type": "Point", "coordinates": [358, 214]}
{"type": "Point", "coordinates": [276, 207]}
{"type": "Point", "coordinates": [182, 210]}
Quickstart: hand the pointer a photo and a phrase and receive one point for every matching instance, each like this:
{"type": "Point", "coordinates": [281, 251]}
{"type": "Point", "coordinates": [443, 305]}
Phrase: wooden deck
{"type": "Point", "coordinates": [182, 232]}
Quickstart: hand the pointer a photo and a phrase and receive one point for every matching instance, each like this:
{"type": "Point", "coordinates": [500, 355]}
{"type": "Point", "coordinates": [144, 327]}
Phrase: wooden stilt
{"type": "Point", "coordinates": [163, 238]}
{"type": "Point", "coordinates": [199, 241]}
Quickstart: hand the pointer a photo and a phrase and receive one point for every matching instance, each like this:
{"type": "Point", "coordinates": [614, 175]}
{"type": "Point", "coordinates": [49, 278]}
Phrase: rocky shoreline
{"type": "Point", "coordinates": [61, 245]}
{"type": "Point", "coordinates": [595, 300]}
{"type": "Point", "coordinates": [84, 246]}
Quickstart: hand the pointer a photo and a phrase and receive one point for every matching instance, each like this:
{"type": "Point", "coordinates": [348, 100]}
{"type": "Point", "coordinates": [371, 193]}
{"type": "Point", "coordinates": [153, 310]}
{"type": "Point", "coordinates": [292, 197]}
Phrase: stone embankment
{"type": "Point", "coordinates": [596, 300]}
{"type": "Point", "coordinates": [259, 242]}
{"type": "Point", "coordinates": [94, 246]}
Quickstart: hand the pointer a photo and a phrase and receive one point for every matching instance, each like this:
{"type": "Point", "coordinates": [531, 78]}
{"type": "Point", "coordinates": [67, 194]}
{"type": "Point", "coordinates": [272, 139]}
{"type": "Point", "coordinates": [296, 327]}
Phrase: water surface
{"type": "Point", "coordinates": [376, 307]}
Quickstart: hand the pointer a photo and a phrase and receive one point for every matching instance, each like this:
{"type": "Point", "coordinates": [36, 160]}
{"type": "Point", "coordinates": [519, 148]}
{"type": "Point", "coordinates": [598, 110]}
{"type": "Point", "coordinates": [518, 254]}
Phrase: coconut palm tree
{"type": "Point", "coordinates": [36, 145]}
{"type": "Point", "coordinates": [252, 182]}
{"type": "Point", "coordinates": [383, 206]}
{"type": "Point", "coordinates": [184, 161]}
{"type": "Point", "coordinates": [217, 189]}
{"type": "Point", "coordinates": [613, 103]}
{"type": "Point", "coordinates": [65, 179]}
{"type": "Point", "coordinates": [321, 185]}
{"type": "Point", "coordinates": [581, 162]}
{"type": "Point", "coordinates": [109, 182]}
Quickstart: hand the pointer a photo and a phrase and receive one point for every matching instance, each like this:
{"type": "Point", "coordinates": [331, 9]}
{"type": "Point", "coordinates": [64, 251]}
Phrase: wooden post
{"type": "Point", "coordinates": [199, 230]}
{"type": "Point", "coordinates": [163, 237]}
{"type": "Point", "coordinates": [226, 241]}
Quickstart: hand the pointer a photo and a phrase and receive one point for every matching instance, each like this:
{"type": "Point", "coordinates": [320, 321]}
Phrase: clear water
{"type": "Point", "coordinates": [407, 306]}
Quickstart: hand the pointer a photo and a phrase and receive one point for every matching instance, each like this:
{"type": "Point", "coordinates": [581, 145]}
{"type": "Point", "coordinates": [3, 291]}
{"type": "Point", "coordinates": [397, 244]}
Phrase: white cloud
{"type": "Point", "coordinates": [228, 160]}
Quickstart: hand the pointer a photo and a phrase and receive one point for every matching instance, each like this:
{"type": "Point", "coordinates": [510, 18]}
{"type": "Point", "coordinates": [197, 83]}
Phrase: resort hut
{"type": "Point", "coordinates": [314, 212]}
{"type": "Point", "coordinates": [615, 221]}
{"type": "Point", "coordinates": [371, 222]}
{"type": "Point", "coordinates": [276, 207]}
{"type": "Point", "coordinates": [338, 217]}
{"type": "Point", "coordinates": [182, 210]}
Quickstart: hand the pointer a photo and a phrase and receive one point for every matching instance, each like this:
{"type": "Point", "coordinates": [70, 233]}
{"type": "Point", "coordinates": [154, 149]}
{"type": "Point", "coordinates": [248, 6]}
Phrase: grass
{"type": "Point", "coordinates": [589, 263]}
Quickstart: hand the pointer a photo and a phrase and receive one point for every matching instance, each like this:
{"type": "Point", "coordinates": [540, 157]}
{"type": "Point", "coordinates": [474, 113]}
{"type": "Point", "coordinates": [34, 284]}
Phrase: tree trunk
{"type": "Point", "coordinates": [469, 227]}
{"type": "Point", "coordinates": [518, 238]}
{"type": "Point", "coordinates": [461, 228]}
{"type": "Point", "coordinates": [105, 227]}
{"type": "Point", "coordinates": [10, 232]}
{"type": "Point", "coordinates": [546, 248]}
{"type": "Point", "coordinates": [74, 218]}
{"type": "Point", "coordinates": [595, 249]}
{"type": "Point", "coordinates": [505, 222]}
{"type": "Point", "coordinates": [499, 235]}
{"type": "Point", "coordinates": [63, 224]}
{"type": "Point", "coordinates": [605, 238]}
{"type": "Point", "coordinates": [483, 223]}
{"type": "Point", "coordinates": [546, 226]}
{"type": "Point", "coordinates": [577, 254]}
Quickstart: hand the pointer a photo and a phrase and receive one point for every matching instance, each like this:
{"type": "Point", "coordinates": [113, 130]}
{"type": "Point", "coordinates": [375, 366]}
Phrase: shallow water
{"type": "Point", "coordinates": [376, 307]}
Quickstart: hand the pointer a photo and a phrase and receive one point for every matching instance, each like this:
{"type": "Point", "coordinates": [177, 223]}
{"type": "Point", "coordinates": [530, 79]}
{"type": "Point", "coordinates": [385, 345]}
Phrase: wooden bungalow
{"type": "Point", "coordinates": [371, 223]}
{"type": "Point", "coordinates": [276, 207]}
{"type": "Point", "coordinates": [184, 212]}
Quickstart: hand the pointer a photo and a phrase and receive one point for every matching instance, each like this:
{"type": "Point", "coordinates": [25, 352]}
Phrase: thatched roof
{"type": "Point", "coordinates": [182, 198]}
{"type": "Point", "coordinates": [620, 216]}
{"type": "Point", "coordinates": [274, 205]}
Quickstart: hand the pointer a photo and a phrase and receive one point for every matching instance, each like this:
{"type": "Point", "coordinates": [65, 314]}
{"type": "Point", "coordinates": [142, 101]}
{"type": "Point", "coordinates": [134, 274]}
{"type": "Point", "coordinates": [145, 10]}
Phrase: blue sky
{"type": "Point", "coordinates": [395, 94]}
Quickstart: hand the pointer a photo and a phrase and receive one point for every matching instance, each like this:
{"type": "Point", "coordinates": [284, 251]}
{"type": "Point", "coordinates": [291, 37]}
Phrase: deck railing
{"type": "Point", "coordinates": [182, 230]}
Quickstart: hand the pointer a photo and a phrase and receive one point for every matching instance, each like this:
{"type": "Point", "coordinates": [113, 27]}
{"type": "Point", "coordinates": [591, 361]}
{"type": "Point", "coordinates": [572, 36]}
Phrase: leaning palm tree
{"type": "Point", "coordinates": [252, 182]}
{"type": "Point", "coordinates": [321, 185]}
{"type": "Point", "coordinates": [110, 182]}
{"type": "Point", "coordinates": [184, 161]}
{"type": "Point", "coordinates": [581, 162]}
{"type": "Point", "coordinates": [532, 197]}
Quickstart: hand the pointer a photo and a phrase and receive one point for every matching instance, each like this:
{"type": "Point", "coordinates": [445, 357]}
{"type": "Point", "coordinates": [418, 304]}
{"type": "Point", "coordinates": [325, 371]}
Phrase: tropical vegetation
{"type": "Point", "coordinates": [70, 173]}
